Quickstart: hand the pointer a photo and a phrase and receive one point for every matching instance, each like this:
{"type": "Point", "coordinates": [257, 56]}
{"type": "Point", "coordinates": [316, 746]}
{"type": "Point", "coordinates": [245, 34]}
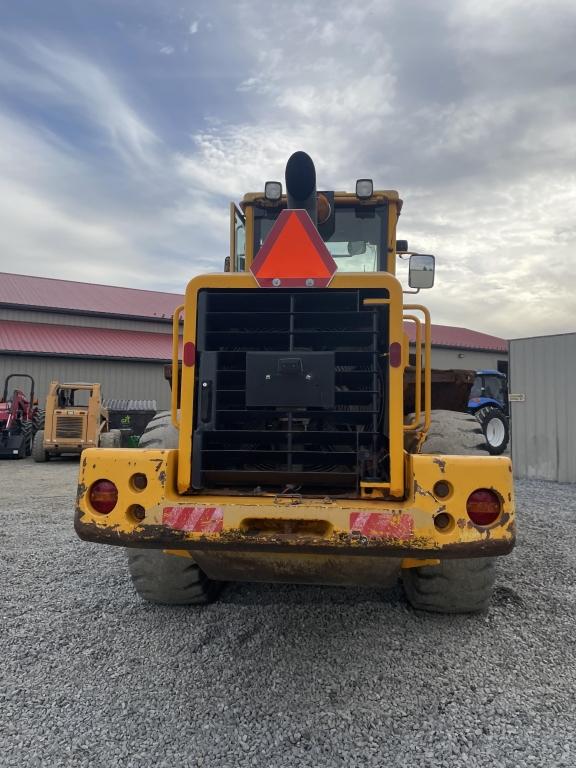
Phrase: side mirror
{"type": "Point", "coordinates": [421, 271]}
{"type": "Point", "coordinates": [227, 264]}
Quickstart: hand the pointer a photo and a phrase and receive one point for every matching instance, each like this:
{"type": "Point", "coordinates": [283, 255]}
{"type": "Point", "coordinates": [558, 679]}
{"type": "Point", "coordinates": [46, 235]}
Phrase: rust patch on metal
{"type": "Point", "coordinates": [441, 463]}
{"type": "Point", "coordinates": [484, 548]}
{"type": "Point", "coordinates": [80, 492]}
{"type": "Point", "coordinates": [162, 478]}
{"type": "Point", "coordinates": [159, 537]}
{"type": "Point", "coordinates": [461, 523]}
{"type": "Point", "coordinates": [422, 491]}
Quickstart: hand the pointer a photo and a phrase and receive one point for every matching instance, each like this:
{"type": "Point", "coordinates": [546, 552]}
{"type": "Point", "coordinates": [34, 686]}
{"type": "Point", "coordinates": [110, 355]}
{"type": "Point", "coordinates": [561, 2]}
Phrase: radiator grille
{"type": "Point", "coordinates": [298, 448]}
{"type": "Point", "coordinates": [69, 426]}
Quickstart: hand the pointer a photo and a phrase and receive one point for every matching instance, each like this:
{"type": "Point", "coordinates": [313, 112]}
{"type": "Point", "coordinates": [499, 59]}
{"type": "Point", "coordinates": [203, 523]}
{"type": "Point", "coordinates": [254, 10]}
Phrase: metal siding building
{"type": "Point", "coordinates": [69, 331]}
{"type": "Point", "coordinates": [543, 369]}
{"type": "Point", "coordinates": [119, 378]}
{"type": "Point", "coordinates": [473, 359]}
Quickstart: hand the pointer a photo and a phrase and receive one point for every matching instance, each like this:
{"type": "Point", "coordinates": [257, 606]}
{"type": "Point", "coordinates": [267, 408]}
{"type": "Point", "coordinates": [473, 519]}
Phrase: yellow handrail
{"type": "Point", "coordinates": [427, 365]}
{"type": "Point", "coordinates": [415, 424]}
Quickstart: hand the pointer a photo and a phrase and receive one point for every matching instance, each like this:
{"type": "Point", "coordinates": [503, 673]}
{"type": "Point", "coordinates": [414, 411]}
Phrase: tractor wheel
{"type": "Point", "coordinates": [28, 432]}
{"type": "Point", "coordinates": [170, 579]}
{"type": "Point", "coordinates": [38, 419]}
{"type": "Point", "coordinates": [159, 433]}
{"type": "Point", "coordinates": [459, 585]}
{"type": "Point", "coordinates": [38, 452]}
{"type": "Point", "coordinates": [111, 439]}
{"type": "Point", "coordinates": [496, 430]}
{"type": "Point", "coordinates": [161, 578]}
{"type": "Point", "coordinates": [454, 586]}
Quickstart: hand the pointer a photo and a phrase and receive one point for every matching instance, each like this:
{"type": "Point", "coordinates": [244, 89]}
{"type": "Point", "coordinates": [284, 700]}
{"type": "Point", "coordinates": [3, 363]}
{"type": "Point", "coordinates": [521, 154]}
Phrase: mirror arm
{"type": "Point", "coordinates": [416, 291]}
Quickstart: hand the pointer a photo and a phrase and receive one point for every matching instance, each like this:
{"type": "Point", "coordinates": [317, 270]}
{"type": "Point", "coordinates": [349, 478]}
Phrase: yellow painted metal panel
{"type": "Point", "coordinates": [334, 526]}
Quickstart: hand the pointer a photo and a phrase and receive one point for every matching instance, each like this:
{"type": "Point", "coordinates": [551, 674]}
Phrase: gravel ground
{"type": "Point", "coordinates": [276, 675]}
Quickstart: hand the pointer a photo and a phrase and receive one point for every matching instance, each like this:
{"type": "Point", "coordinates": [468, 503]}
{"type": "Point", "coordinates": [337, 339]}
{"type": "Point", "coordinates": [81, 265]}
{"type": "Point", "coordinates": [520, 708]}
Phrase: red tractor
{"type": "Point", "coordinates": [19, 420]}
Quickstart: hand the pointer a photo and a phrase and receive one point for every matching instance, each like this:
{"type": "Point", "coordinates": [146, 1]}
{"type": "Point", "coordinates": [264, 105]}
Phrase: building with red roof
{"type": "Point", "coordinates": [121, 337]}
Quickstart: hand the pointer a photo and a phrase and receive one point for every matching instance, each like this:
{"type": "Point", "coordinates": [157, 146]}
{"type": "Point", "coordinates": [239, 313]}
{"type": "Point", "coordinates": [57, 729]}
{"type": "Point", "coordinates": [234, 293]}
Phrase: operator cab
{"type": "Point", "coordinates": [358, 228]}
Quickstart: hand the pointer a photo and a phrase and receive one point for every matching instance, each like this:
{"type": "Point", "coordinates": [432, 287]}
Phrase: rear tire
{"type": "Point", "coordinates": [496, 430]}
{"type": "Point", "coordinates": [111, 439]}
{"type": "Point", "coordinates": [459, 585]}
{"type": "Point", "coordinates": [161, 578]}
{"type": "Point", "coordinates": [454, 586]}
{"type": "Point", "coordinates": [170, 579]}
{"type": "Point", "coordinates": [38, 419]}
{"type": "Point", "coordinates": [26, 430]}
{"type": "Point", "coordinates": [38, 452]}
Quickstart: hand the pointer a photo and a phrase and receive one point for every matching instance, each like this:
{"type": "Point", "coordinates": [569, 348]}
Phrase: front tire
{"type": "Point", "coordinates": [161, 578]}
{"type": "Point", "coordinates": [38, 452]}
{"type": "Point", "coordinates": [459, 585]}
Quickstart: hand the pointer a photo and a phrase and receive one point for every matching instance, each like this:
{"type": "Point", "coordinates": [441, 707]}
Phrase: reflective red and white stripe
{"type": "Point", "coordinates": [193, 519]}
{"type": "Point", "coordinates": [384, 525]}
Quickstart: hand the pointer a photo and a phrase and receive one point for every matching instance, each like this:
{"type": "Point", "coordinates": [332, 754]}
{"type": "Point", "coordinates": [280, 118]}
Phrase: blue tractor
{"type": "Point", "coordinates": [489, 403]}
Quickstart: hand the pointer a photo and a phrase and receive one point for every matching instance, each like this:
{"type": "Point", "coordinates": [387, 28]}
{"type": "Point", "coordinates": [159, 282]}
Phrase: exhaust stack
{"type": "Point", "coordinates": [301, 184]}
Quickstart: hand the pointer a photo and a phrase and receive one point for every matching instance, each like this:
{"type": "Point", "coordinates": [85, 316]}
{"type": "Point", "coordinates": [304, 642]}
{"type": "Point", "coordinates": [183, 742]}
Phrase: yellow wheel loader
{"type": "Point", "coordinates": [301, 445]}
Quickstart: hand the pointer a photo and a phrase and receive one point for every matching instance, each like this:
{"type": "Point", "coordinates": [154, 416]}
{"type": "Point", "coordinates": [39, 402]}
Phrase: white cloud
{"type": "Point", "coordinates": [72, 81]}
{"type": "Point", "coordinates": [193, 28]}
{"type": "Point", "coordinates": [121, 217]}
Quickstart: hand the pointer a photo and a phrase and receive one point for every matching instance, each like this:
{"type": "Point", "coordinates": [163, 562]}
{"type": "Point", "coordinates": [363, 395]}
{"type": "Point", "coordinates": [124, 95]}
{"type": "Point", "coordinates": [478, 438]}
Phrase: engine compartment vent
{"type": "Point", "coordinates": [291, 387]}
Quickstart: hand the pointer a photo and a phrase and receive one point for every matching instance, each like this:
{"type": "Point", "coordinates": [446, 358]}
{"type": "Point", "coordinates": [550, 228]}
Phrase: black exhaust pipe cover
{"type": "Point", "coordinates": [301, 184]}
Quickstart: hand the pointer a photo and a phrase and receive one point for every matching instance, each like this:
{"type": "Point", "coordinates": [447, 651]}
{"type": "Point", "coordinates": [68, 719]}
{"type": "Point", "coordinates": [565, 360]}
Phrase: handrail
{"type": "Point", "coordinates": [175, 365]}
{"type": "Point", "coordinates": [427, 365]}
{"type": "Point", "coordinates": [415, 424]}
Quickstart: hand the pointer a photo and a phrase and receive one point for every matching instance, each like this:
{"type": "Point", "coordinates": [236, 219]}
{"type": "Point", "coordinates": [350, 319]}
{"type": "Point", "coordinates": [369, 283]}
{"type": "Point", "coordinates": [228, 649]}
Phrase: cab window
{"type": "Point", "coordinates": [356, 236]}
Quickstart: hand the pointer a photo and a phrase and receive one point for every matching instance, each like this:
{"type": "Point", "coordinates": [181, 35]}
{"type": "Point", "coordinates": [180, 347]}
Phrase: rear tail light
{"type": "Point", "coordinates": [483, 506]}
{"type": "Point", "coordinates": [103, 496]}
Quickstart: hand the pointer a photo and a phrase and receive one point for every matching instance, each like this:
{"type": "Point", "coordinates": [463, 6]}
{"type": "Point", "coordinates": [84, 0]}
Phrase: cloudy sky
{"type": "Point", "coordinates": [126, 128]}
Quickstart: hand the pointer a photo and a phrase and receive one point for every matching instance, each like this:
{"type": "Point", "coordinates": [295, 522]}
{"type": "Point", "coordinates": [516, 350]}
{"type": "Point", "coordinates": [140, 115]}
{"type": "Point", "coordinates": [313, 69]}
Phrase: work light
{"type": "Point", "coordinates": [364, 188]}
{"type": "Point", "coordinates": [273, 190]}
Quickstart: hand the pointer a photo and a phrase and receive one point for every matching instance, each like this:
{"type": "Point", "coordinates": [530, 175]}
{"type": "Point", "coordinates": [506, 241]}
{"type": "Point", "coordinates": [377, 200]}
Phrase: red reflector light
{"type": "Point", "coordinates": [395, 354]}
{"type": "Point", "coordinates": [189, 354]}
{"type": "Point", "coordinates": [103, 496]}
{"type": "Point", "coordinates": [483, 506]}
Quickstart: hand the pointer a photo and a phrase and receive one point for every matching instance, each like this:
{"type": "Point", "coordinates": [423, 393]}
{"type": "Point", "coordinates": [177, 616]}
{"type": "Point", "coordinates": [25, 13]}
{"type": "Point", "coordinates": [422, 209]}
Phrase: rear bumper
{"type": "Point", "coordinates": [286, 524]}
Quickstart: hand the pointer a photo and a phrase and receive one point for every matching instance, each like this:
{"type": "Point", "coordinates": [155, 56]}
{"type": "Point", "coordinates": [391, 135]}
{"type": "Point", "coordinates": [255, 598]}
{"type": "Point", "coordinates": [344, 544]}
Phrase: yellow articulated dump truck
{"type": "Point", "coordinates": [288, 454]}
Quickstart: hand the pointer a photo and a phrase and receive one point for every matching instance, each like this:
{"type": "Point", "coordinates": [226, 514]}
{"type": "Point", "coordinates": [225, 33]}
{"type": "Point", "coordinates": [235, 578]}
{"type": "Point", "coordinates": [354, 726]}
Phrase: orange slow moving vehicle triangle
{"type": "Point", "coordinates": [293, 255]}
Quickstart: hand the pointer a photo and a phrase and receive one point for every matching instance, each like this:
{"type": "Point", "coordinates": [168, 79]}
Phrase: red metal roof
{"type": "Point", "coordinates": [49, 293]}
{"type": "Point", "coordinates": [50, 339]}
{"type": "Point", "coordinates": [452, 336]}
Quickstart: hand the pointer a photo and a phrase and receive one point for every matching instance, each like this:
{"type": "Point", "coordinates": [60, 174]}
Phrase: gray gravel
{"type": "Point", "coordinates": [276, 675]}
